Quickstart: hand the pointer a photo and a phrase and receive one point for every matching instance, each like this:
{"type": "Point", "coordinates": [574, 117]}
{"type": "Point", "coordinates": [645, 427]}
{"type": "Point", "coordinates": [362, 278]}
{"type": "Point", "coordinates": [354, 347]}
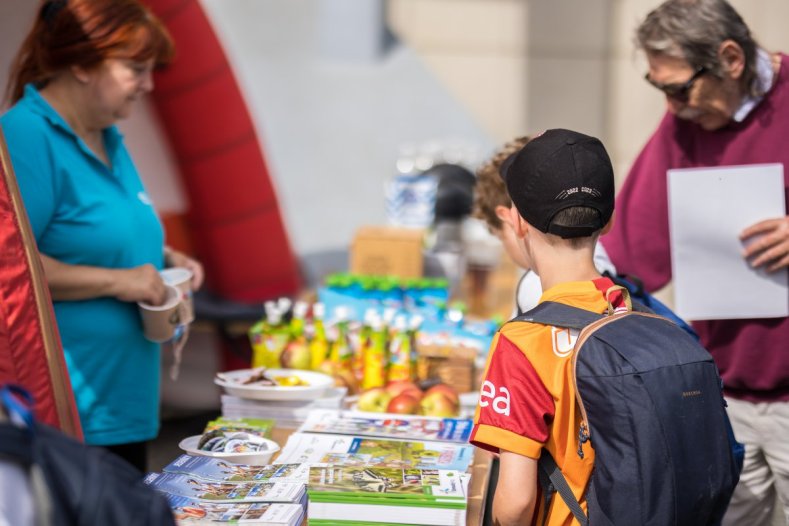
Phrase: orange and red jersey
{"type": "Point", "coordinates": [527, 400]}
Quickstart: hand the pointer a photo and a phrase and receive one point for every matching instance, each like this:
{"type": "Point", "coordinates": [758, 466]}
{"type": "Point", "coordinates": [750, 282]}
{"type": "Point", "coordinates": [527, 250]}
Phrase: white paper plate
{"type": "Point", "coordinates": [317, 385]}
{"type": "Point", "coordinates": [252, 458]}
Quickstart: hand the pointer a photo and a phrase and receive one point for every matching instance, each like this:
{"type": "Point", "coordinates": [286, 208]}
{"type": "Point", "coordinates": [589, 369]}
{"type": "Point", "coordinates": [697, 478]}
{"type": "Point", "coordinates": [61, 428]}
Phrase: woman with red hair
{"type": "Point", "coordinates": [81, 68]}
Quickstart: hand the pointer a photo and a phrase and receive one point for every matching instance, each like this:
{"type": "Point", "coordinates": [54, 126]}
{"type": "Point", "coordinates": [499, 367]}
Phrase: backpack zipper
{"type": "Point", "coordinates": [583, 430]}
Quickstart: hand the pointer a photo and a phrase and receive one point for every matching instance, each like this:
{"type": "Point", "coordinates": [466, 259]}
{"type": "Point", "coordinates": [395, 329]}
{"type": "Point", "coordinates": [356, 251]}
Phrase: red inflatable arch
{"type": "Point", "coordinates": [234, 218]}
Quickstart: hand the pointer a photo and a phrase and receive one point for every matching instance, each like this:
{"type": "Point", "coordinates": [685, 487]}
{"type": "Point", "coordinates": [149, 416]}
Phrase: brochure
{"type": "Point", "coordinates": [354, 451]}
{"type": "Point", "coordinates": [429, 487]}
{"type": "Point", "coordinates": [191, 511]}
{"type": "Point", "coordinates": [340, 513]}
{"type": "Point", "coordinates": [410, 427]}
{"type": "Point", "coordinates": [209, 468]}
{"type": "Point", "coordinates": [196, 488]}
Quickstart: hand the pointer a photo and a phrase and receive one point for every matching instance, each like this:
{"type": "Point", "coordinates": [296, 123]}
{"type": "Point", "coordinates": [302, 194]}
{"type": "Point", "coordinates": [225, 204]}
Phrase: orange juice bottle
{"type": "Point", "coordinates": [400, 352]}
{"type": "Point", "coordinates": [341, 351]}
{"type": "Point", "coordinates": [413, 329]}
{"type": "Point", "coordinates": [362, 344]}
{"type": "Point", "coordinates": [319, 344]}
{"type": "Point", "coordinates": [375, 360]}
{"type": "Point", "coordinates": [273, 336]}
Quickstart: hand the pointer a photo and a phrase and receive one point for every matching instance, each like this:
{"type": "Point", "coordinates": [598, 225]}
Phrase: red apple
{"type": "Point", "coordinates": [439, 404]}
{"type": "Point", "coordinates": [375, 400]}
{"type": "Point", "coordinates": [404, 386]}
{"type": "Point", "coordinates": [404, 404]}
{"type": "Point", "coordinates": [446, 389]}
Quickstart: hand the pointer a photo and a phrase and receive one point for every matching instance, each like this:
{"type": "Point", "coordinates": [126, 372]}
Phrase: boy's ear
{"type": "Point", "coordinates": [503, 213]}
{"type": "Point", "coordinates": [608, 226]}
{"type": "Point", "coordinates": [517, 223]}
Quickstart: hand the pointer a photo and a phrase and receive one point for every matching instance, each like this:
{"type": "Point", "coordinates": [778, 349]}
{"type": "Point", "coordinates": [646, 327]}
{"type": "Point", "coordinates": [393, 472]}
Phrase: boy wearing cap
{"type": "Point", "coordinates": [562, 187]}
{"type": "Point", "coordinates": [492, 204]}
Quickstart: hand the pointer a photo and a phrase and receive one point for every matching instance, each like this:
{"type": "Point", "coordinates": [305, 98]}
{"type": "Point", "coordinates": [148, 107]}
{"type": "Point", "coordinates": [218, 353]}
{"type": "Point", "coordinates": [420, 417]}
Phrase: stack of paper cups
{"type": "Point", "coordinates": [181, 278]}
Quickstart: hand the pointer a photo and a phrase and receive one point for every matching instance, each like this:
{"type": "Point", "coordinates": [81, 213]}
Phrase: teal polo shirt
{"type": "Point", "coordinates": [85, 213]}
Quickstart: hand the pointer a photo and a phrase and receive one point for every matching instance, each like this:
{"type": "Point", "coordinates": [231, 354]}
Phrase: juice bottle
{"type": "Point", "coordinates": [413, 328]}
{"type": "Point", "coordinates": [319, 345]}
{"type": "Point", "coordinates": [274, 336]}
{"type": "Point", "coordinates": [296, 354]}
{"type": "Point", "coordinates": [341, 352]}
{"type": "Point", "coordinates": [400, 352]}
{"type": "Point", "coordinates": [257, 335]}
{"type": "Point", "coordinates": [375, 356]}
{"type": "Point", "coordinates": [362, 344]}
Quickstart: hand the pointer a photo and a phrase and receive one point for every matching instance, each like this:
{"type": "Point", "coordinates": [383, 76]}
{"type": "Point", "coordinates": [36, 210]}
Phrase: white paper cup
{"type": "Point", "coordinates": [159, 321]}
{"type": "Point", "coordinates": [181, 278]}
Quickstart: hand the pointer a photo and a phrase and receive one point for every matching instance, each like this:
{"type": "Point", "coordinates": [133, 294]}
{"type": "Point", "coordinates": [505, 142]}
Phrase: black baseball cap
{"type": "Point", "coordinates": [556, 170]}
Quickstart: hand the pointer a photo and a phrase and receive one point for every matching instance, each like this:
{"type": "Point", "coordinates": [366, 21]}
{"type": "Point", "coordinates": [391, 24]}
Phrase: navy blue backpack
{"type": "Point", "coordinates": [638, 293]}
{"type": "Point", "coordinates": [653, 411]}
{"type": "Point", "coordinates": [74, 484]}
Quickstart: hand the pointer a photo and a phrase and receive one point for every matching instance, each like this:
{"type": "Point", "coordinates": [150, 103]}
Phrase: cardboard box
{"type": "Point", "coordinates": [452, 365]}
{"type": "Point", "coordinates": [387, 251]}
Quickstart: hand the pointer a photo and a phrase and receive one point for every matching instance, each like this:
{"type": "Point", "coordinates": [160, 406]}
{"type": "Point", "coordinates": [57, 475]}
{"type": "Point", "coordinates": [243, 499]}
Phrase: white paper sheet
{"type": "Point", "coordinates": [708, 209]}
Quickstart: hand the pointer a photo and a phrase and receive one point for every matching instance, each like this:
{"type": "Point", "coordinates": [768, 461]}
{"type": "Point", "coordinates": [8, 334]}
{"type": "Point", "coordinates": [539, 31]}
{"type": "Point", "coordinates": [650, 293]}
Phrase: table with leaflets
{"type": "Point", "coordinates": [494, 297]}
{"type": "Point", "coordinates": [478, 487]}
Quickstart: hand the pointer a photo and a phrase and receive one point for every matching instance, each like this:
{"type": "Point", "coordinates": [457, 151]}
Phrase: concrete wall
{"type": "Point", "coordinates": [525, 65]}
{"type": "Point", "coordinates": [331, 119]}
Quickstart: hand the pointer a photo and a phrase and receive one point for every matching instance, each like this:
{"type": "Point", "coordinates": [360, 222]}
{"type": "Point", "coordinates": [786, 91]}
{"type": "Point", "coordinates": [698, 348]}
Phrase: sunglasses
{"type": "Point", "coordinates": [677, 91]}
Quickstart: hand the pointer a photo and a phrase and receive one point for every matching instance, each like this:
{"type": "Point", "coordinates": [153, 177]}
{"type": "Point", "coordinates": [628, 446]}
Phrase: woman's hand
{"type": "Point", "coordinates": [772, 246]}
{"type": "Point", "coordinates": [141, 283]}
{"type": "Point", "coordinates": [81, 282]}
{"type": "Point", "coordinates": [174, 258]}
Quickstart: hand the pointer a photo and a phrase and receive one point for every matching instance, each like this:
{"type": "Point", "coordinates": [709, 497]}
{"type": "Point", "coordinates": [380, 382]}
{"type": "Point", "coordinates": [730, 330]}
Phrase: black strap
{"type": "Point", "coordinates": [558, 484]}
{"type": "Point", "coordinates": [548, 491]}
{"type": "Point", "coordinates": [559, 315]}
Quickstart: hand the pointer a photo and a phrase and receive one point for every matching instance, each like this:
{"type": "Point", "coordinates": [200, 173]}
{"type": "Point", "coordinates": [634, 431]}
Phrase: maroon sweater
{"type": "Point", "coordinates": [753, 354]}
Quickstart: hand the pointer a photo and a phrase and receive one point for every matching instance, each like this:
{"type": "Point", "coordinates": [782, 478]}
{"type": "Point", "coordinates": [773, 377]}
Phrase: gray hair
{"type": "Point", "coordinates": [693, 30]}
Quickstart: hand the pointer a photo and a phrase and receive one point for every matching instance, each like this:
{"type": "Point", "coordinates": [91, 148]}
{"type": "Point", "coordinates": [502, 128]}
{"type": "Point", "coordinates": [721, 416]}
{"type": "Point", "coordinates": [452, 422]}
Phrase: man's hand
{"type": "Point", "coordinates": [771, 248]}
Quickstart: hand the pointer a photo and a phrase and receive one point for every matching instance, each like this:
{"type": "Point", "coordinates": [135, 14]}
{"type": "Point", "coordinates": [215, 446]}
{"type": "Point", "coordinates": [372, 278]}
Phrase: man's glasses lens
{"type": "Point", "coordinates": [678, 92]}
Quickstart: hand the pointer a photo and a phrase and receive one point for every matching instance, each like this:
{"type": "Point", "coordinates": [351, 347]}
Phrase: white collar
{"type": "Point", "coordinates": [764, 79]}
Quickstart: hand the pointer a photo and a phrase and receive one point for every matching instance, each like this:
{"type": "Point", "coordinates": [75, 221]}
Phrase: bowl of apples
{"type": "Point", "coordinates": [407, 397]}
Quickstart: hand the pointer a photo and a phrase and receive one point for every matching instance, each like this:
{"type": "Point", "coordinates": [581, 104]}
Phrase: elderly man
{"type": "Point", "coordinates": [727, 104]}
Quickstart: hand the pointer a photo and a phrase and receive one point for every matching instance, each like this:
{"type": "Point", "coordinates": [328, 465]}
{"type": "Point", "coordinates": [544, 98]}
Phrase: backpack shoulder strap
{"type": "Point", "coordinates": [559, 315]}
{"type": "Point", "coordinates": [640, 307]}
{"type": "Point", "coordinates": [550, 471]}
